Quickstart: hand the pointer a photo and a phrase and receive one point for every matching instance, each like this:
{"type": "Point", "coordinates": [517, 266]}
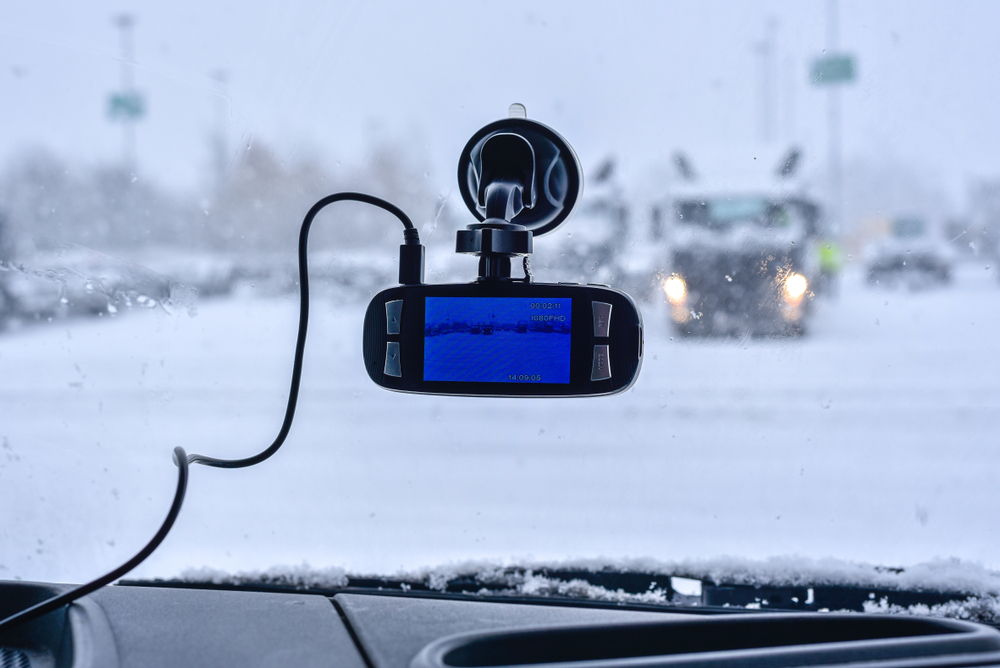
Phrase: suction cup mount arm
{"type": "Point", "coordinates": [507, 170]}
{"type": "Point", "coordinates": [520, 179]}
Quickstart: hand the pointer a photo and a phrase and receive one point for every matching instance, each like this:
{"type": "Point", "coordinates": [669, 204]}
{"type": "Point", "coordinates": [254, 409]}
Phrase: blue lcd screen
{"type": "Point", "coordinates": [497, 339]}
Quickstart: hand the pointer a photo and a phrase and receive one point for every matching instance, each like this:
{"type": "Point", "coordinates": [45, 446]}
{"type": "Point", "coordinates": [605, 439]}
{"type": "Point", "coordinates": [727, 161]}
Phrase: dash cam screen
{"type": "Point", "coordinates": [497, 339]}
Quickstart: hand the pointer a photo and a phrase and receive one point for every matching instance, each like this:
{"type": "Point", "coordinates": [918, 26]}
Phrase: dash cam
{"type": "Point", "coordinates": [504, 336]}
{"type": "Point", "coordinates": [503, 339]}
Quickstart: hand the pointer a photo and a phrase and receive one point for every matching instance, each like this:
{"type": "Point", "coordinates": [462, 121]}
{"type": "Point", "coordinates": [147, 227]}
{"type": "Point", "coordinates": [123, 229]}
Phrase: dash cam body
{"type": "Point", "coordinates": [501, 336]}
{"type": "Point", "coordinates": [503, 339]}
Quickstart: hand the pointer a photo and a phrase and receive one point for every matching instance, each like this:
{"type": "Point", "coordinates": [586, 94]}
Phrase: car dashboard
{"type": "Point", "coordinates": [150, 626]}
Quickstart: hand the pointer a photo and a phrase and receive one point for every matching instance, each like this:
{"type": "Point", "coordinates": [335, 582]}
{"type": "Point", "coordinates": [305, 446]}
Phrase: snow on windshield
{"type": "Point", "coordinates": [813, 399]}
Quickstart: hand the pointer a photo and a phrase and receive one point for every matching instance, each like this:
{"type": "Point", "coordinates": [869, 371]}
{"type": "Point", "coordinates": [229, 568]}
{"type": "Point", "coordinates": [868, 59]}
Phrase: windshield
{"type": "Point", "coordinates": [909, 227]}
{"type": "Point", "coordinates": [807, 396]}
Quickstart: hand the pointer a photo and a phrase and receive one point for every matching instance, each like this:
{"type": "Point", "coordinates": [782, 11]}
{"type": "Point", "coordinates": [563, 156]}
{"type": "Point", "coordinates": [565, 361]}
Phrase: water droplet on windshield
{"type": "Point", "coordinates": [729, 278]}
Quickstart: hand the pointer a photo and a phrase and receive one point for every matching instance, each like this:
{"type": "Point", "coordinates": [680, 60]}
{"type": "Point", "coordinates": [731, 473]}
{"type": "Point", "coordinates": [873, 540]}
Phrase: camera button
{"type": "Point", "coordinates": [602, 364]}
{"type": "Point", "coordinates": [393, 312]}
{"type": "Point", "coordinates": [392, 367]}
{"type": "Point", "coordinates": [602, 319]}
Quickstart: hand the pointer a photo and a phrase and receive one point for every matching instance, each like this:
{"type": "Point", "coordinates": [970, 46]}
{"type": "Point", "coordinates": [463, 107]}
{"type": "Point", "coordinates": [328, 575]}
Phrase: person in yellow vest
{"type": "Point", "coordinates": [831, 261]}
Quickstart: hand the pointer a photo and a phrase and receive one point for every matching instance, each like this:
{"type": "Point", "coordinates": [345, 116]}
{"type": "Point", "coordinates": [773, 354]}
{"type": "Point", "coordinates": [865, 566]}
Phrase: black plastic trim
{"type": "Point", "coordinates": [767, 641]}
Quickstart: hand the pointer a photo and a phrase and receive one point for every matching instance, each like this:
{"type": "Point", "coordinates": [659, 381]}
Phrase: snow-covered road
{"type": "Point", "coordinates": [875, 438]}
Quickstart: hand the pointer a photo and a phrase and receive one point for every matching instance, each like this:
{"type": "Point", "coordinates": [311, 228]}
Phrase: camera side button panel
{"type": "Point", "coordinates": [602, 319]}
{"type": "Point", "coordinates": [392, 365]}
{"type": "Point", "coordinates": [393, 313]}
{"type": "Point", "coordinates": [601, 369]}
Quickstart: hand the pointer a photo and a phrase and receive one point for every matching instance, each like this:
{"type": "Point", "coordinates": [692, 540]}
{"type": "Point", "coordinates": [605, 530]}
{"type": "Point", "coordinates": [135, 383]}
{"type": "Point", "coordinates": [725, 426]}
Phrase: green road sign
{"type": "Point", "coordinates": [832, 69]}
{"type": "Point", "coordinates": [128, 105]}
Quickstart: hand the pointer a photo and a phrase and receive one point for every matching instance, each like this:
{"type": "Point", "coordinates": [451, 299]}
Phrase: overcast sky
{"type": "Point", "coordinates": [640, 80]}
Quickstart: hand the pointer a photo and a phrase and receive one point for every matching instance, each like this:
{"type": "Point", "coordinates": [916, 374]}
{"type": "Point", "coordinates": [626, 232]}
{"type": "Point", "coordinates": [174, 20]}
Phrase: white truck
{"type": "Point", "coordinates": [743, 254]}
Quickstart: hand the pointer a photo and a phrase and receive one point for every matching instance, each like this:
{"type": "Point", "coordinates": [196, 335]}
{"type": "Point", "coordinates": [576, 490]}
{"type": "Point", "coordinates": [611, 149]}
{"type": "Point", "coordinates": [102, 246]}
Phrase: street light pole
{"type": "Point", "coordinates": [766, 49]}
{"type": "Point", "coordinates": [834, 122]}
{"type": "Point", "coordinates": [125, 22]}
{"type": "Point", "coordinates": [218, 138]}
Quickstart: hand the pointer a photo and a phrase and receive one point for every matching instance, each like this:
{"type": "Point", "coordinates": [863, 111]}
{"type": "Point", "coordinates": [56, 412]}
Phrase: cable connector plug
{"type": "Point", "coordinates": [411, 258]}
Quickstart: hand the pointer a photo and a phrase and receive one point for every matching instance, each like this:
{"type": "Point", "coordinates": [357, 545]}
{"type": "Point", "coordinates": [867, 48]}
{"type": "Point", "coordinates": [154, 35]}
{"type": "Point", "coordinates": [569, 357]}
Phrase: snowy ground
{"type": "Point", "coordinates": [876, 439]}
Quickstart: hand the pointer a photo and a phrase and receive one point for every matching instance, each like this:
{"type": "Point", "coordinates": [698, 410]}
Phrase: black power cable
{"type": "Point", "coordinates": [410, 238]}
{"type": "Point", "coordinates": [413, 269]}
{"type": "Point", "coordinates": [48, 605]}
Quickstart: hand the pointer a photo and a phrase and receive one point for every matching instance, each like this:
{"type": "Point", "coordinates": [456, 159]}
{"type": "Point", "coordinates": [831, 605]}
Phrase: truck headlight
{"type": "Point", "coordinates": [676, 290]}
{"type": "Point", "coordinates": [795, 286]}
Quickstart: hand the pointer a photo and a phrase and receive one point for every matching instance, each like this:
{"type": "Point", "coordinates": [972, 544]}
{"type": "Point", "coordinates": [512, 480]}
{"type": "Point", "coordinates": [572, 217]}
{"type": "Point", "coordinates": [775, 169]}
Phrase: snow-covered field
{"type": "Point", "coordinates": [876, 438]}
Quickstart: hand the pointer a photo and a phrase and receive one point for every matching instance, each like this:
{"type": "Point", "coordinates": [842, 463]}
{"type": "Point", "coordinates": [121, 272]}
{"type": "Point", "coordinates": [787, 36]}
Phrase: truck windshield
{"type": "Point", "coordinates": [725, 212]}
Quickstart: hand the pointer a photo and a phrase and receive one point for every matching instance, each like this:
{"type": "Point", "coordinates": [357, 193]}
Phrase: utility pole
{"type": "Point", "coordinates": [127, 105]}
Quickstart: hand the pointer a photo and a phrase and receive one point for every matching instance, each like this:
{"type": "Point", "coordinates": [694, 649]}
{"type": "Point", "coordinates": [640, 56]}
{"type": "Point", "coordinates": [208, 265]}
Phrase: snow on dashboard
{"type": "Point", "coordinates": [980, 586]}
{"type": "Point", "coordinates": [296, 577]}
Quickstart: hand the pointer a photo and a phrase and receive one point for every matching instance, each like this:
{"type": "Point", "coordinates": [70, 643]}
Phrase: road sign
{"type": "Point", "coordinates": [832, 70]}
{"type": "Point", "coordinates": [127, 105]}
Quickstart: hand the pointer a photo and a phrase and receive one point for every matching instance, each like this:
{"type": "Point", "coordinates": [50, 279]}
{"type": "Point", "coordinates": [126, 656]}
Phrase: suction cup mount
{"type": "Point", "coordinates": [520, 179]}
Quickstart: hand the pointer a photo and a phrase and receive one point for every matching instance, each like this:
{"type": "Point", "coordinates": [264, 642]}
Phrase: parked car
{"type": "Point", "coordinates": [910, 256]}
